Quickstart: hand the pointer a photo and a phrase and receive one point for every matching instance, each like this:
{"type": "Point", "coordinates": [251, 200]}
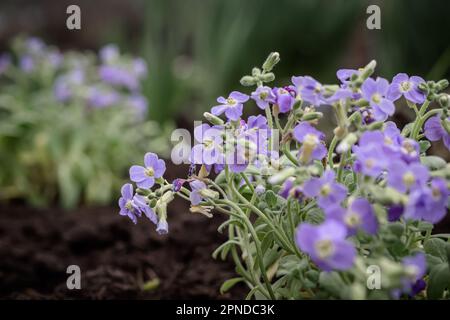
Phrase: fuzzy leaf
{"type": "Point", "coordinates": [228, 284]}
{"type": "Point", "coordinates": [439, 280]}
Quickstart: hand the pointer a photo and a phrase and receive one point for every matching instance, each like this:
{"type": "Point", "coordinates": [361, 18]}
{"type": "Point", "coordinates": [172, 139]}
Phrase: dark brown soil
{"type": "Point", "coordinates": [115, 256]}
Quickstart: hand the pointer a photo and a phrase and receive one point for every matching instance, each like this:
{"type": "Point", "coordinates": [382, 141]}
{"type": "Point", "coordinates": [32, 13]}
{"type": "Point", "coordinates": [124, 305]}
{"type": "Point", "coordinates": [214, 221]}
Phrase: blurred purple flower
{"type": "Point", "coordinates": [327, 191]}
{"type": "Point", "coordinates": [406, 177]}
{"type": "Point", "coordinates": [284, 99]}
{"type": "Point", "coordinates": [326, 245]}
{"type": "Point", "coordinates": [312, 147]}
{"type": "Point", "coordinates": [434, 131]}
{"type": "Point", "coordinates": [358, 216]}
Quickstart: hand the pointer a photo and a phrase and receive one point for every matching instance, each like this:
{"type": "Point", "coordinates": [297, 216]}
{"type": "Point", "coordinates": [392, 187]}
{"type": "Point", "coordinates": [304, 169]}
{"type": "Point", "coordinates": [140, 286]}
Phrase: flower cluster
{"type": "Point", "coordinates": [70, 121]}
{"type": "Point", "coordinates": [326, 209]}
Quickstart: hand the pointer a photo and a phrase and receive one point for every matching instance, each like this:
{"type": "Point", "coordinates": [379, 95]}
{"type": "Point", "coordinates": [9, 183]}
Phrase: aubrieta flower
{"type": "Point", "coordinates": [311, 91]}
{"type": "Point", "coordinates": [26, 63]}
{"type": "Point", "coordinates": [326, 245]}
{"type": "Point", "coordinates": [197, 187]}
{"type": "Point", "coordinates": [358, 216]}
{"type": "Point", "coordinates": [284, 99]}
{"type": "Point", "coordinates": [405, 177]}
{"type": "Point", "coordinates": [313, 147]}
{"type": "Point", "coordinates": [126, 204]}
{"type": "Point", "coordinates": [141, 204]}
{"type": "Point", "coordinates": [327, 191]}
{"type": "Point", "coordinates": [102, 98]}
{"type": "Point", "coordinates": [232, 106]}
{"type": "Point", "coordinates": [428, 203]}
{"type": "Point", "coordinates": [119, 76]}
{"type": "Point", "coordinates": [415, 266]}
{"type": "Point", "coordinates": [371, 159]}
{"type": "Point", "coordinates": [344, 75]}
{"type": "Point", "coordinates": [434, 131]}
{"type": "Point", "coordinates": [375, 92]}
{"type": "Point", "coordinates": [209, 151]}
{"type": "Point", "coordinates": [145, 176]}
{"type": "Point", "coordinates": [263, 97]}
{"type": "Point", "coordinates": [403, 85]}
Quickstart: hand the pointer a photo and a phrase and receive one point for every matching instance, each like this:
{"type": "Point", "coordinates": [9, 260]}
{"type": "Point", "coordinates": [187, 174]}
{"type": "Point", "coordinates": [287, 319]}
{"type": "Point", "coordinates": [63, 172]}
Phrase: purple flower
{"type": "Point", "coordinates": [141, 204]}
{"type": "Point", "coordinates": [394, 212]}
{"type": "Point", "coordinates": [407, 86]}
{"type": "Point", "coordinates": [284, 99]}
{"type": "Point", "coordinates": [434, 131]}
{"type": "Point", "coordinates": [209, 150]}
{"type": "Point", "coordinates": [197, 186]}
{"type": "Point", "coordinates": [138, 103]}
{"type": "Point", "coordinates": [312, 147]}
{"type": "Point", "coordinates": [326, 189]}
{"type": "Point", "coordinates": [99, 98]}
{"type": "Point", "coordinates": [370, 154]}
{"type": "Point", "coordinates": [145, 176]}
{"type": "Point", "coordinates": [358, 216]}
{"type": "Point", "coordinates": [406, 177]}
{"type": "Point", "coordinates": [118, 76]}
{"type": "Point", "coordinates": [428, 203]}
{"type": "Point", "coordinates": [263, 97]}
{"type": "Point", "coordinates": [109, 53]}
{"type": "Point", "coordinates": [415, 266]}
{"type": "Point", "coordinates": [177, 184]}
{"type": "Point", "coordinates": [232, 106]}
{"type": "Point", "coordinates": [162, 227]}
{"type": "Point", "coordinates": [127, 207]}
{"type": "Point", "coordinates": [139, 67]}
{"type": "Point", "coordinates": [311, 91]}
{"type": "Point", "coordinates": [5, 62]}
{"type": "Point", "coordinates": [326, 245]}
{"type": "Point", "coordinates": [344, 75]}
{"type": "Point", "coordinates": [375, 92]}
{"type": "Point", "coordinates": [257, 131]}
{"type": "Point", "coordinates": [26, 64]}
{"type": "Point", "coordinates": [287, 187]}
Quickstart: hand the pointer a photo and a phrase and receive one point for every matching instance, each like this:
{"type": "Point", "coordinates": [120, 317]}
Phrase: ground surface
{"type": "Point", "coordinates": [115, 256]}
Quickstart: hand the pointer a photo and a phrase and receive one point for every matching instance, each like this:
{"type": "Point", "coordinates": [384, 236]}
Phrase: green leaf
{"type": "Point", "coordinates": [228, 284]}
{"type": "Point", "coordinates": [436, 247]}
{"type": "Point", "coordinates": [433, 162]}
{"type": "Point", "coordinates": [271, 198]}
{"type": "Point", "coordinates": [438, 281]}
{"type": "Point", "coordinates": [332, 282]}
{"type": "Point", "coordinates": [424, 145]}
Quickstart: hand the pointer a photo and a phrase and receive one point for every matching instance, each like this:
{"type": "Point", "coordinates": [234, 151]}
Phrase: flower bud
{"type": "Point", "coordinates": [312, 116]}
{"type": "Point", "coordinates": [213, 119]}
{"type": "Point", "coordinates": [256, 72]}
{"type": "Point", "coordinates": [248, 81]}
{"type": "Point", "coordinates": [260, 189]}
{"type": "Point", "coordinates": [142, 192]}
{"type": "Point", "coordinates": [441, 85]}
{"type": "Point", "coordinates": [444, 100]}
{"type": "Point", "coordinates": [282, 175]}
{"type": "Point", "coordinates": [267, 77]}
{"type": "Point", "coordinates": [368, 70]}
{"type": "Point", "coordinates": [347, 143]}
{"type": "Point", "coordinates": [339, 132]}
{"type": "Point", "coordinates": [271, 61]}
{"type": "Point", "coordinates": [423, 86]}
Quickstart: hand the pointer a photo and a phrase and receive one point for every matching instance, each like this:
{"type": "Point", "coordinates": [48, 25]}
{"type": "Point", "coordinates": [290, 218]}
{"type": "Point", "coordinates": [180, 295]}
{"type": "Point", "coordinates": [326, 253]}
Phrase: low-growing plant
{"type": "Point", "coordinates": [69, 122]}
{"type": "Point", "coordinates": [352, 219]}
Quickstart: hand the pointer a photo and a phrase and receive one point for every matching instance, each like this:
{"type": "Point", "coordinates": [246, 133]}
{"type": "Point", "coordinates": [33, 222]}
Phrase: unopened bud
{"type": "Point", "coordinates": [213, 119]}
{"type": "Point", "coordinates": [339, 132]}
{"type": "Point", "coordinates": [267, 77]}
{"type": "Point", "coordinates": [282, 175]}
{"type": "Point", "coordinates": [312, 116]}
{"type": "Point", "coordinates": [248, 81]}
{"type": "Point", "coordinates": [423, 86]}
{"type": "Point", "coordinates": [271, 61]}
{"type": "Point", "coordinates": [256, 72]}
{"type": "Point", "coordinates": [441, 84]}
{"type": "Point", "coordinates": [347, 143]}
{"type": "Point", "coordinates": [444, 100]}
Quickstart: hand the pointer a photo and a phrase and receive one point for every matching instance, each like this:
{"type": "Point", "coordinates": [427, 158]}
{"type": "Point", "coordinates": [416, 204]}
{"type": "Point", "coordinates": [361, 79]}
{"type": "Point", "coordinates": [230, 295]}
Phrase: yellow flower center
{"type": "Point", "coordinates": [231, 101]}
{"type": "Point", "coordinates": [352, 219]}
{"type": "Point", "coordinates": [324, 248]}
{"type": "Point", "coordinates": [409, 179]}
{"type": "Point", "coordinates": [370, 163]}
{"type": "Point", "coordinates": [263, 95]}
{"type": "Point", "coordinates": [150, 172]}
{"type": "Point", "coordinates": [129, 205]}
{"type": "Point", "coordinates": [325, 190]}
{"type": "Point", "coordinates": [405, 86]}
{"type": "Point", "coordinates": [376, 98]}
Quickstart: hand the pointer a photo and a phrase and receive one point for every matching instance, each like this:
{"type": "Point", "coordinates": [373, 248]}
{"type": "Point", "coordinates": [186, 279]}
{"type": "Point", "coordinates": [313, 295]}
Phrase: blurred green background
{"type": "Point", "coordinates": [198, 49]}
